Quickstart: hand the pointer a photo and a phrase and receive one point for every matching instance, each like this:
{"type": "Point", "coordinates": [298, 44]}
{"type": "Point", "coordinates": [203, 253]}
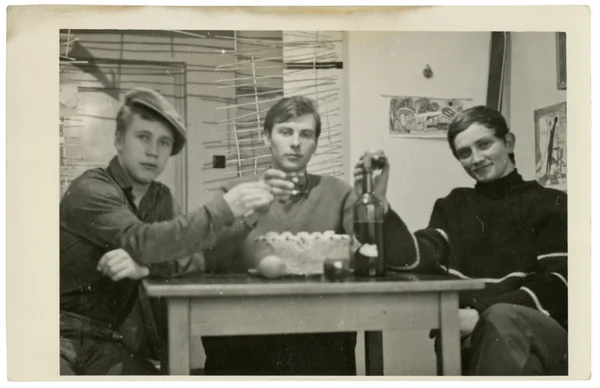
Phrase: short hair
{"type": "Point", "coordinates": [481, 115]}
{"type": "Point", "coordinates": [126, 113]}
{"type": "Point", "coordinates": [290, 108]}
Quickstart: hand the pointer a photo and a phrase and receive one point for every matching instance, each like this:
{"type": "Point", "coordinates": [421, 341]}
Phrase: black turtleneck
{"type": "Point", "coordinates": [499, 188]}
{"type": "Point", "coordinates": [510, 232]}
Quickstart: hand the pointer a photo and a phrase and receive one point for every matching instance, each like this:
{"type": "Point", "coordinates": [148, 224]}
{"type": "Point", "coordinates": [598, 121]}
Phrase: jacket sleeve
{"type": "Point", "coordinates": [397, 239]}
{"type": "Point", "coordinates": [96, 211]}
{"type": "Point", "coordinates": [424, 251]}
{"type": "Point", "coordinates": [546, 289]}
{"type": "Point", "coordinates": [225, 255]}
{"type": "Point", "coordinates": [192, 263]}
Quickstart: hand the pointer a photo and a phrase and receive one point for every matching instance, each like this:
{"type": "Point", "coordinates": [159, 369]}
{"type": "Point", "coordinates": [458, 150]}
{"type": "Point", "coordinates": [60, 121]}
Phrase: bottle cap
{"type": "Point", "coordinates": [377, 159]}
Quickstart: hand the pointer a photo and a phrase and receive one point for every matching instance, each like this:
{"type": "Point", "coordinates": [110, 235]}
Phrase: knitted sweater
{"type": "Point", "coordinates": [327, 204]}
{"type": "Point", "coordinates": [511, 233]}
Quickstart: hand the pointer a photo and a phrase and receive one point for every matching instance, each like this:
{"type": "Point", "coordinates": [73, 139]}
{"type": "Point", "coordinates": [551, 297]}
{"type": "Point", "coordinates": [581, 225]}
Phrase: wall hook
{"type": "Point", "coordinates": [427, 72]}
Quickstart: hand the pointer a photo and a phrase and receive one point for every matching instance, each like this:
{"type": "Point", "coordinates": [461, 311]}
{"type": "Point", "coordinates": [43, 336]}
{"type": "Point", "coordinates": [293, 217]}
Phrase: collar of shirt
{"type": "Point", "coordinates": [154, 194]}
{"type": "Point", "coordinates": [116, 170]}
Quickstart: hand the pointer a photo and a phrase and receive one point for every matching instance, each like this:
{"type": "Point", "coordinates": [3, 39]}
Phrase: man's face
{"type": "Point", "coordinates": [484, 157]}
{"type": "Point", "coordinates": [144, 148]}
{"type": "Point", "coordinates": [293, 143]}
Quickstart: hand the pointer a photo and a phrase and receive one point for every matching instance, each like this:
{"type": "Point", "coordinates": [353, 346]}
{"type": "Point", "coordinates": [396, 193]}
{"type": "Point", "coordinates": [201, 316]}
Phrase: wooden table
{"type": "Point", "coordinates": [220, 305]}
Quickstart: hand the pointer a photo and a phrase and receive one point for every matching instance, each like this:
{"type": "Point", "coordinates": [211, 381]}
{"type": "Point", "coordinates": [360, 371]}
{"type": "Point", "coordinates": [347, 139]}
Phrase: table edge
{"type": "Point", "coordinates": [307, 289]}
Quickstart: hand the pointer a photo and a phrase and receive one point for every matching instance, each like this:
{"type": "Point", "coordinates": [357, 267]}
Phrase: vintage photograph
{"type": "Point", "coordinates": [245, 203]}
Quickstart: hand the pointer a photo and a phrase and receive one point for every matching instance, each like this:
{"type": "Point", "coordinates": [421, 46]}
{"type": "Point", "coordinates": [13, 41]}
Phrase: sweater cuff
{"type": "Point", "coordinates": [220, 212]}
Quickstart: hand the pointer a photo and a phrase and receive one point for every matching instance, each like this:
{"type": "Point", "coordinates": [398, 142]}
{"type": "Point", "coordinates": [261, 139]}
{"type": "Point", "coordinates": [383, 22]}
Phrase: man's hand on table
{"type": "Point", "coordinates": [118, 265]}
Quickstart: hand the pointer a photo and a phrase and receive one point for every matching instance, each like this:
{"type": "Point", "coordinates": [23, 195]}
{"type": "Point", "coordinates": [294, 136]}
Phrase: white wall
{"type": "Point", "coordinates": [533, 86]}
{"type": "Point", "coordinates": [391, 63]}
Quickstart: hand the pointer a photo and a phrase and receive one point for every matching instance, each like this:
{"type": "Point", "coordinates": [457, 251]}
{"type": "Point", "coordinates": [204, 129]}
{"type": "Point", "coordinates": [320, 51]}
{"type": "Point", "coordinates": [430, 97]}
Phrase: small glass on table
{"type": "Point", "coordinates": [336, 269]}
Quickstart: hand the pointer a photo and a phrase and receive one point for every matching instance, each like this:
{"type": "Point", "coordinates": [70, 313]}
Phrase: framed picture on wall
{"type": "Point", "coordinates": [424, 117]}
{"type": "Point", "coordinates": [561, 60]}
{"type": "Point", "coordinates": [551, 146]}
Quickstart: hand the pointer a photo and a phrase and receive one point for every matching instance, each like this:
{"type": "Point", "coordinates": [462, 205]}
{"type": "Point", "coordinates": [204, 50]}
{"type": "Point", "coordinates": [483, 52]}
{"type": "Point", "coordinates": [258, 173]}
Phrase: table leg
{"type": "Point", "coordinates": [374, 353]}
{"type": "Point", "coordinates": [450, 334]}
{"type": "Point", "coordinates": [178, 310]}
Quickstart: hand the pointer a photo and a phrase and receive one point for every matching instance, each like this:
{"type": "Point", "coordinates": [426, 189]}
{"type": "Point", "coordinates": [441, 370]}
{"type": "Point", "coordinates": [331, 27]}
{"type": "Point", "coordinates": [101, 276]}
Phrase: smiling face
{"type": "Point", "coordinates": [144, 148]}
{"type": "Point", "coordinates": [484, 156]}
{"type": "Point", "coordinates": [293, 143]}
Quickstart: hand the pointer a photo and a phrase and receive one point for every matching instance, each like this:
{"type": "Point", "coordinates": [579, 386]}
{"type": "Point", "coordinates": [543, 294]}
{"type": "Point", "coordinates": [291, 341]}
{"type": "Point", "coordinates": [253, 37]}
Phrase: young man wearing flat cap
{"type": "Point", "coordinates": [118, 225]}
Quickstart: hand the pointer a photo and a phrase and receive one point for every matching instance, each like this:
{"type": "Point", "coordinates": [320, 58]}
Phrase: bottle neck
{"type": "Point", "coordinates": [367, 183]}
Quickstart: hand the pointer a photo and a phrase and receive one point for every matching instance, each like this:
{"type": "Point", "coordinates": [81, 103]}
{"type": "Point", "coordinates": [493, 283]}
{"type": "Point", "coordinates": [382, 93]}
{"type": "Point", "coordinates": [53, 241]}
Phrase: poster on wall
{"type": "Point", "coordinates": [551, 146]}
{"type": "Point", "coordinates": [427, 117]}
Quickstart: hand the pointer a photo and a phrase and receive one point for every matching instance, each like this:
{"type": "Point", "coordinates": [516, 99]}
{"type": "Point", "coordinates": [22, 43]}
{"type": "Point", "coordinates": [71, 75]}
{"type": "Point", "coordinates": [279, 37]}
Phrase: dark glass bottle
{"type": "Point", "coordinates": [368, 228]}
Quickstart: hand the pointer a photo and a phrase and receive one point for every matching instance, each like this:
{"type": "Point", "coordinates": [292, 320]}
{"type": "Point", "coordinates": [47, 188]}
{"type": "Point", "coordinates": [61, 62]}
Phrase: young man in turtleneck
{"type": "Point", "coordinates": [507, 231]}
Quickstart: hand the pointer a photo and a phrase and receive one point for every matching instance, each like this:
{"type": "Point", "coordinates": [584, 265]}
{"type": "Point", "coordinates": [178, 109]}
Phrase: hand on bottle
{"type": "Point", "coordinates": [117, 264]}
{"type": "Point", "coordinates": [380, 181]}
{"type": "Point", "coordinates": [248, 197]}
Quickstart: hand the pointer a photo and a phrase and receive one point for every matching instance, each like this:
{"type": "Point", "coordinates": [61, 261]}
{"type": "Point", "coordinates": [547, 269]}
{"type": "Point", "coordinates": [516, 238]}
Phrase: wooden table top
{"type": "Point", "coordinates": [213, 285]}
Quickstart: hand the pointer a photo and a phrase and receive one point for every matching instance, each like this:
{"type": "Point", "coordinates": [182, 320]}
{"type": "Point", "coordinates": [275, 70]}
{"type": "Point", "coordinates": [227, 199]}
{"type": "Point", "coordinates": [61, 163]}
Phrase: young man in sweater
{"type": "Point", "coordinates": [118, 225]}
{"type": "Point", "coordinates": [292, 128]}
{"type": "Point", "coordinates": [509, 232]}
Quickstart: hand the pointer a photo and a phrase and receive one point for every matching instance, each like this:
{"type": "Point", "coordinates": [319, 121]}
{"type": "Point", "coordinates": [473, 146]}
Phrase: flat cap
{"type": "Point", "coordinates": [156, 102]}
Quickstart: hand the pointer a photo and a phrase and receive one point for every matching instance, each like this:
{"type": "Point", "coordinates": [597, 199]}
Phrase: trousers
{"type": "Point", "coordinates": [513, 340]}
{"type": "Point", "coordinates": [88, 347]}
{"type": "Point", "coordinates": [94, 357]}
